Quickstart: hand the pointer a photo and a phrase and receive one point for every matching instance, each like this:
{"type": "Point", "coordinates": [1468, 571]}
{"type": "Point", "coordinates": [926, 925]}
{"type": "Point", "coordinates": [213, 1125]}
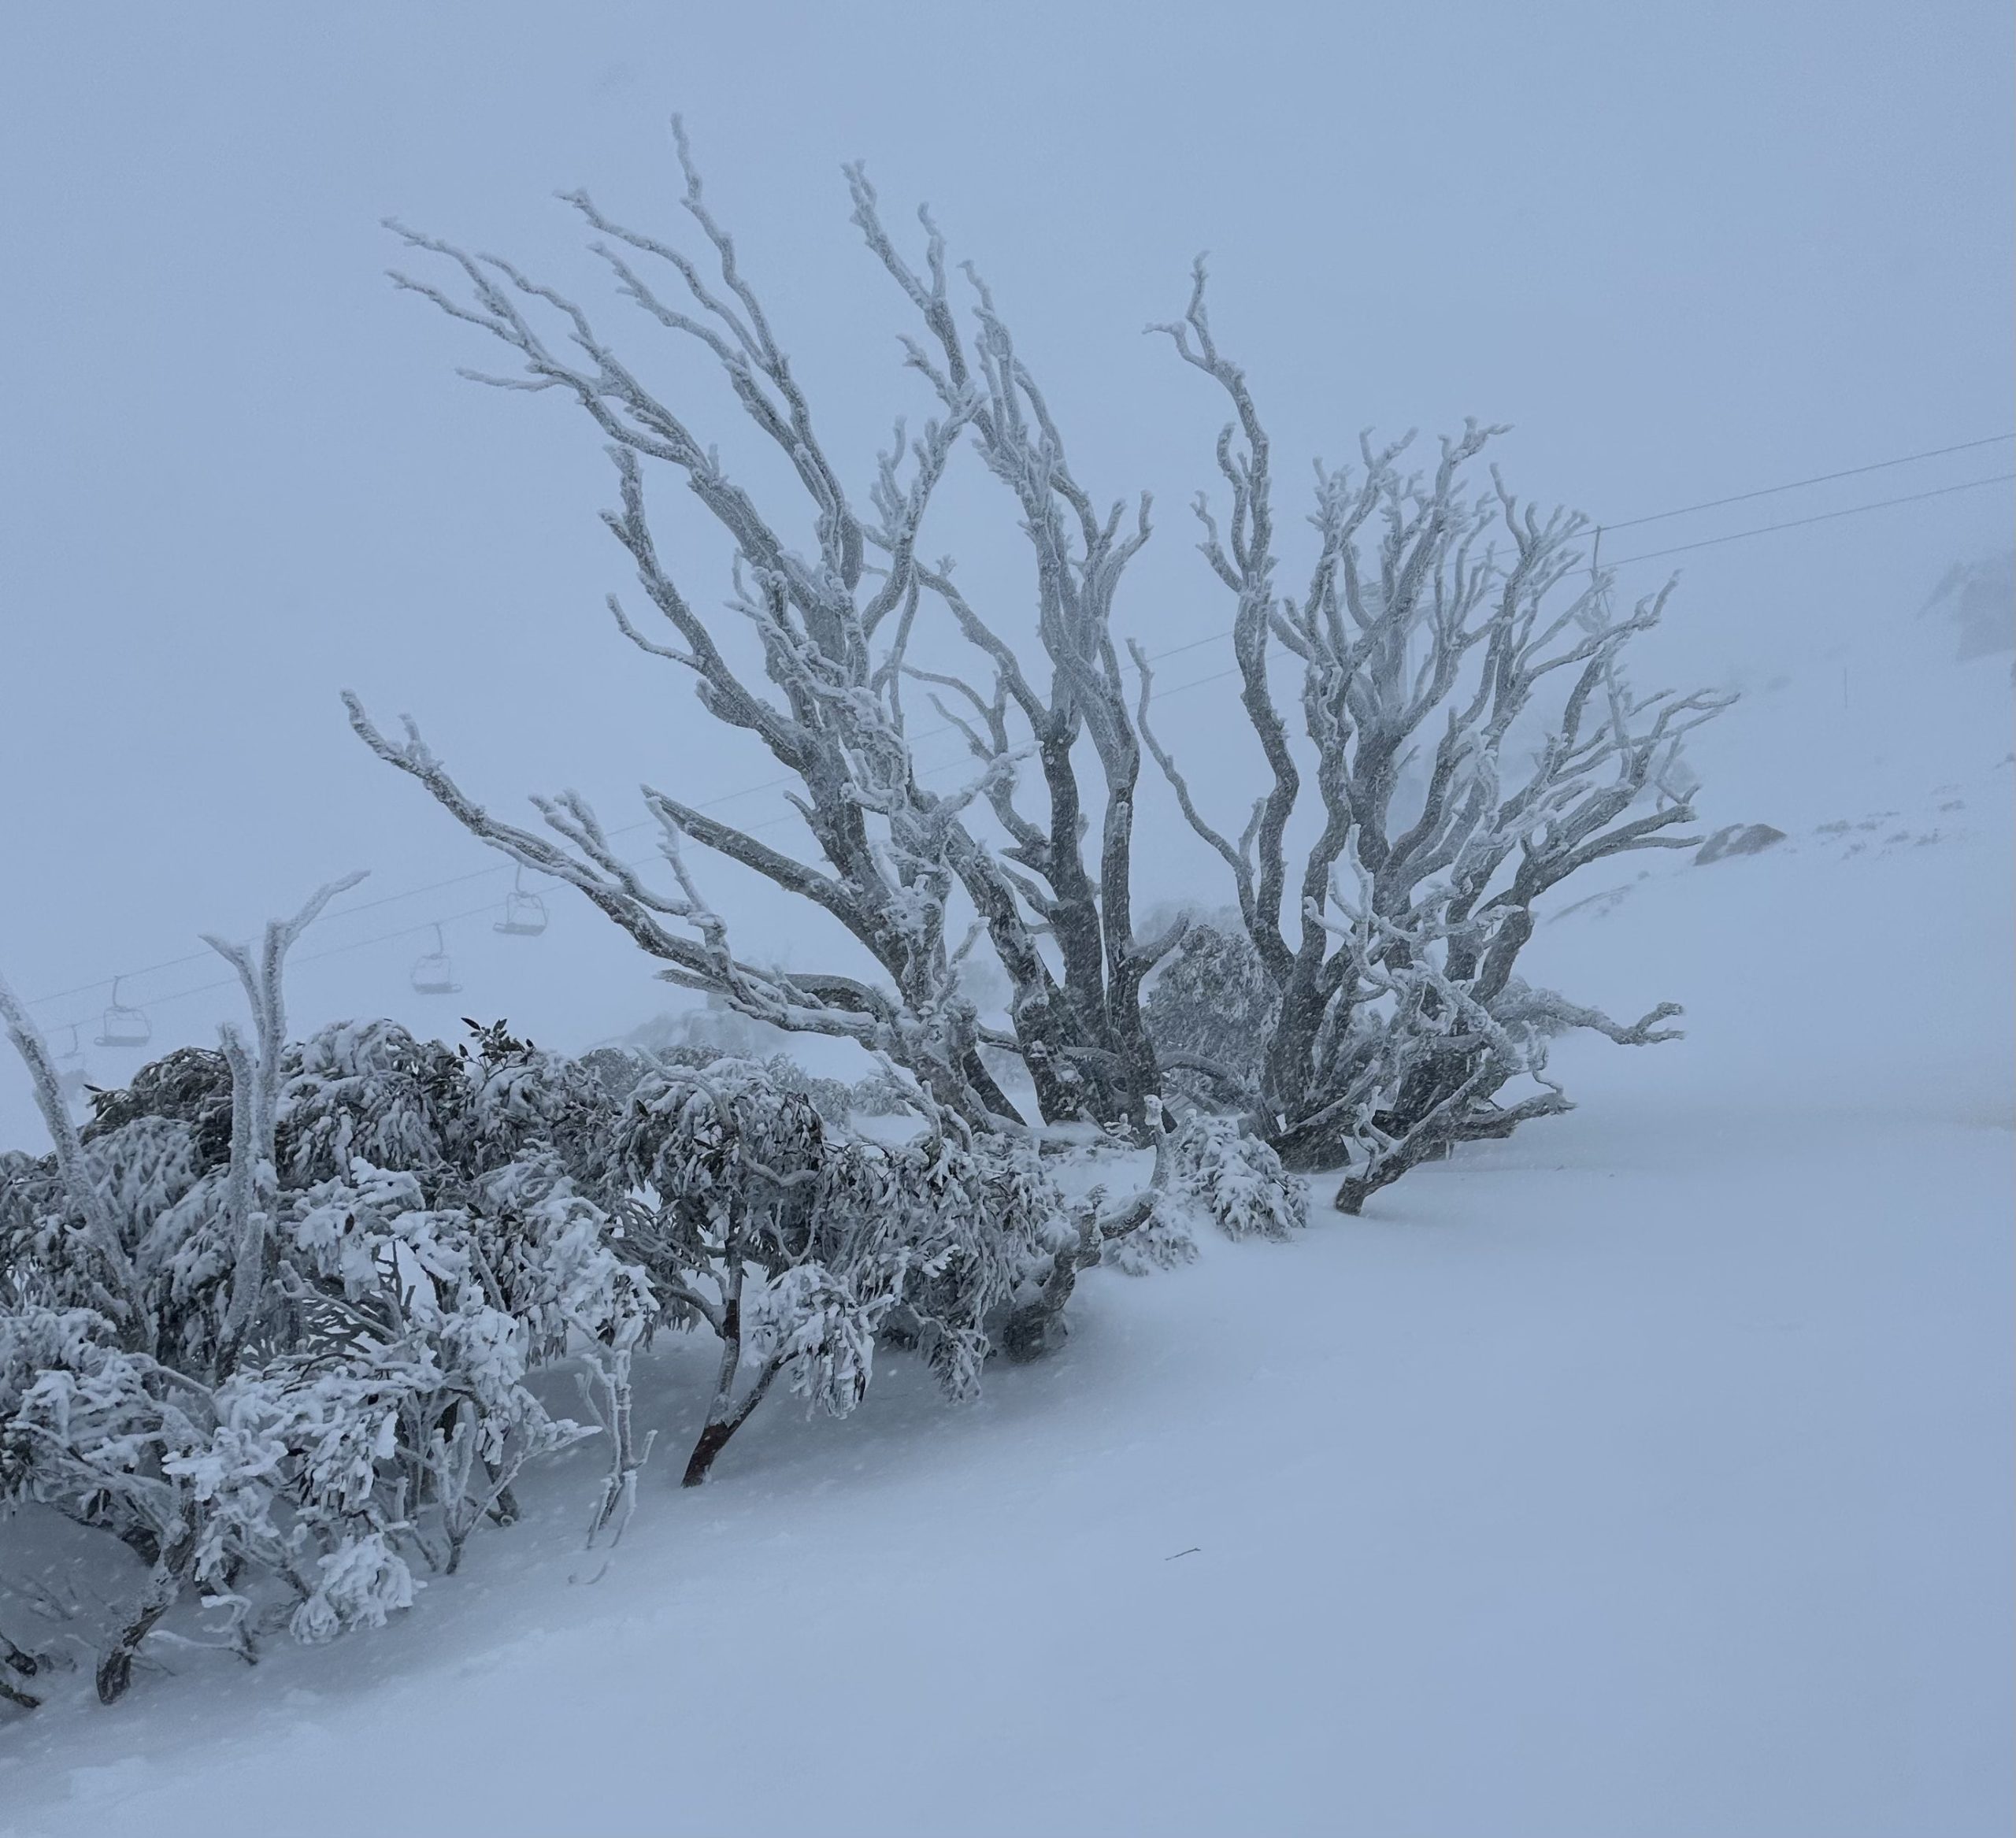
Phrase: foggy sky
{"type": "Point", "coordinates": [1685, 251]}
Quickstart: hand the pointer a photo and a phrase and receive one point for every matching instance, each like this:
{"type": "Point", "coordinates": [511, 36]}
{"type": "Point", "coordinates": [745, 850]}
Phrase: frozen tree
{"type": "Point", "coordinates": [1464, 721]}
{"type": "Point", "coordinates": [1453, 632]}
{"type": "Point", "coordinates": [833, 620]}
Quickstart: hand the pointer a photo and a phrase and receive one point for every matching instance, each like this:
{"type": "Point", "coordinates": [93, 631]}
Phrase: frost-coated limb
{"type": "Point", "coordinates": [1081, 554]}
{"type": "Point", "coordinates": [835, 721]}
{"type": "Point", "coordinates": [1543, 1008]}
{"type": "Point", "coordinates": [255, 1078]}
{"type": "Point", "coordinates": [698, 954]}
{"type": "Point", "coordinates": [121, 1292]}
{"type": "Point", "coordinates": [18, 1659]}
{"type": "Point", "coordinates": [25, 1665]}
{"type": "Point", "coordinates": [264, 982]}
{"type": "Point", "coordinates": [605, 1391]}
{"type": "Point", "coordinates": [470, 1483]}
{"type": "Point", "coordinates": [1475, 742]}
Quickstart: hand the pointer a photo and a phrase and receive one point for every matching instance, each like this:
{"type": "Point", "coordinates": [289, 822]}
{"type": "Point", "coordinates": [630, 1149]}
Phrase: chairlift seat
{"type": "Point", "coordinates": [125, 1027]}
{"type": "Point", "coordinates": [73, 1076]}
{"type": "Point", "coordinates": [524, 916]}
{"type": "Point", "coordinates": [435, 973]}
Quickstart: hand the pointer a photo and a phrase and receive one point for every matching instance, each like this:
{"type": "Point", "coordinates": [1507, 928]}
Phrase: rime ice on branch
{"type": "Point", "coordinates": [1463, 719]}
{"type": "Point", "coordinates": [834, 622]}
{"type": "Point", "coordinates": [1450, 633]}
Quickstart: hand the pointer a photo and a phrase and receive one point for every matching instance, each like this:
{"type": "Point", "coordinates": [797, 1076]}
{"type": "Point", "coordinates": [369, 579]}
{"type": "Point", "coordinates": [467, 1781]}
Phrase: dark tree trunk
{"type": "Point", "coordinates": [720, 1427]}
{"type": "Point", "coordinates": [115, 1670]}
{"type": "Point", "coordinates": [713, 1439]}
{"type": "Point", "coordinates": [727, 1416]}
{"type": "Point", "coordinates": [1304, 1149]}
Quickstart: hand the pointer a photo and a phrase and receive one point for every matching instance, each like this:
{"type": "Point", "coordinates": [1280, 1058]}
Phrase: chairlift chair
{"type": "Point", "coordinates": [71, 1078]}
{"type": "Point", "coordinates": [435, 973]}
{"type": "Point", "coordinates": [524, 913]}
{"type": "Point", "coordinates": [124, 1025]}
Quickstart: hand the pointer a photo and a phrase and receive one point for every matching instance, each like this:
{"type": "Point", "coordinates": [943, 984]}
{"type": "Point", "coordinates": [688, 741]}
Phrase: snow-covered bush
{"type": "Point", "coordinates": [1164, 1238]}
{"type": "Point", "coordinates": [1213, 1168]}
{"type": "Point", "coordinates": [372, 1406]}
{"type": "Point", "coordinates": [986, 1230]}
{"type": "Point", "coordinates": [1235, 1179]}
{"type": "Point", "coordinates": [269, 1319]}
{"type": "Point", "coordinates": [272, 1319]}
{"type": "Point", "coordinates": [798, 1242]}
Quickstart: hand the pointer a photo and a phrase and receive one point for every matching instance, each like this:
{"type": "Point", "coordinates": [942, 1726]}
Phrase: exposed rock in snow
{"type": "Point", "coordinates": [1979, 598]}
{"type": "Point", "coordinates": [1737, 838]}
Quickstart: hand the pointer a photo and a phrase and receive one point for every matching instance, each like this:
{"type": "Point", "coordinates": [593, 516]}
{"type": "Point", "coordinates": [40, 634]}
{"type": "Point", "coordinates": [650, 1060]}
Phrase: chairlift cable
{"type": "Point", "coordinates": [1817, 479]}
{"type": "Point", "coordinates": [355, 944]}
{"type": "Point", "coordinates": [1823, 516]}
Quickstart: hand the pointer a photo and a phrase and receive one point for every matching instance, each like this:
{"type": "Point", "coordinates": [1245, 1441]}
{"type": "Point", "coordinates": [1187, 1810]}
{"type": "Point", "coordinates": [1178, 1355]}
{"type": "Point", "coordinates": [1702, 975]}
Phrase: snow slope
{"type": "Point", "coordinates": [1647, 1474]}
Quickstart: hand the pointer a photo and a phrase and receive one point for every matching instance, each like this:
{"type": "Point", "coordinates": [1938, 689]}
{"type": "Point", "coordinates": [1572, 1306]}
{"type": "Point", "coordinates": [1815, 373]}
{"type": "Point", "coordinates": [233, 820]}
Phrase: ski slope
{"type": "Point", "coordinates": [1647, 1476]}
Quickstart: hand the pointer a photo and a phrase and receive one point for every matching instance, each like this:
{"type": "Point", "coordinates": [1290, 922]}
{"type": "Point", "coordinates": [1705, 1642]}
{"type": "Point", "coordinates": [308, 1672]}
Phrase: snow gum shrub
{"type": "Point", "coordinates": [446, 1115]}
{"type": "Point", "coordinates": [1165, 1239]}
{"type": "Point", "coordinates": [1213, 1167]}
{"type": "Point", "coordinates": [798, 1244]}
{"type": "Point", "coordinates": [1237, 1179]}
{"type": "Point", "coordinates": [430, 1236]}
{"type": "Point", "coordinates": [433, 1226]}
{"type": "Point", "coordinates": [985, 1229]}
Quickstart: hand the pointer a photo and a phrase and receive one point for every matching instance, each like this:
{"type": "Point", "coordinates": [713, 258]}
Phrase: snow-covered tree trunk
{"type": "Point", "coordinates": [116, 1285]}
{"type": "Point", "coordinates": [165, 1582]}
{"type": "Point", "coordinates": [607, 1392]}
{"type": "Point", "coordinates": [255, 1081]}
{"type": "Point", "coordinates": [727, 1411]}
{"type": "Point", "coordinates": [1081, 554]}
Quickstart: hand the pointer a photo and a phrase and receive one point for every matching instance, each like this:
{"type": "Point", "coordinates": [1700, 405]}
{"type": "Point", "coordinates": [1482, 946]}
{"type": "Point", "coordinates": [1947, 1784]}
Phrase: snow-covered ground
{"type": "Point", "coordinates": [1647, 1474]}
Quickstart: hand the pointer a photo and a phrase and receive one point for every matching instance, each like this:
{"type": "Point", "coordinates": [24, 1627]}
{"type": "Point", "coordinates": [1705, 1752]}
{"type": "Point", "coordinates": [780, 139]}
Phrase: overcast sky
{"type": "Point", "coordinates": [1686, 250]}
